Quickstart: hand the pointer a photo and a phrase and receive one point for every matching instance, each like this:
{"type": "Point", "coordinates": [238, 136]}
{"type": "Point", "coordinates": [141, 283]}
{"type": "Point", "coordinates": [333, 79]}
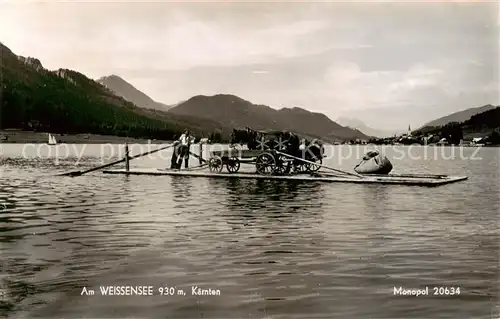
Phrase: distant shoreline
{"type": "Point", "coordinates": [26, 137]}
{"type": "Point", "coordinates": [30, 137]}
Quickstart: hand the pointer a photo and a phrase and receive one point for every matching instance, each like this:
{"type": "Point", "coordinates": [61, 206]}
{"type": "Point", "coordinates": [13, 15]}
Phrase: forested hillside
{"type": "Point", "coordinates": [485, 124]}
{"type": "Point", "coordinates": [65, 101]}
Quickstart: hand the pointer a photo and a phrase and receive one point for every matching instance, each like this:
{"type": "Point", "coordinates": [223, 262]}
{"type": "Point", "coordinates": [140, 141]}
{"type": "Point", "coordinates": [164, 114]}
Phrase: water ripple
{"type": "Point", "coordinates": [274, 249]}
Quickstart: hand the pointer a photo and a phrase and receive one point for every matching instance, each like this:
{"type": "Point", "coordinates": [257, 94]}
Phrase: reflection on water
{"type": "Point", "coordinates": [275, 249]}
{"type": "Point", "coordinates": [270, 193]}
{"type": "Point", "coordinates": [181, 189]}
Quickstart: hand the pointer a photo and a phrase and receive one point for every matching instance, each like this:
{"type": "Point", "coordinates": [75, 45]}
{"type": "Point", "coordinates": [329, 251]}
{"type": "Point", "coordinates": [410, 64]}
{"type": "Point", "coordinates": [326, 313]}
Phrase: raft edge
{"type": "Point", "coordinates": [416, 180]}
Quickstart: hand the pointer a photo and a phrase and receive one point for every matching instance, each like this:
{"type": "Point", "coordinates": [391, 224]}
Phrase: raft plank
{"type": "Point", "coordinates": [431, 176]}
{"type": "Point", "coordinates": [403, 179]}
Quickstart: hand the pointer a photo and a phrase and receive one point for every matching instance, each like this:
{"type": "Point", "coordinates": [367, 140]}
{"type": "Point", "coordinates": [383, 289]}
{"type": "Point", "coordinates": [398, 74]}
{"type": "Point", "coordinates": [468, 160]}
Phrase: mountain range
{"type": "Point", "coordinates": [235, 112]}
{"type": "Point", "coordinates": [460, 116]}
{"type": "Point", "coordinates": [66, 101]}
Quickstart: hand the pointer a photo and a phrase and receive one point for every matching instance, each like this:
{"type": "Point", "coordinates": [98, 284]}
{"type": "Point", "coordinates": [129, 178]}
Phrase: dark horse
{"type": "Point", "coordinates": [283, 141]}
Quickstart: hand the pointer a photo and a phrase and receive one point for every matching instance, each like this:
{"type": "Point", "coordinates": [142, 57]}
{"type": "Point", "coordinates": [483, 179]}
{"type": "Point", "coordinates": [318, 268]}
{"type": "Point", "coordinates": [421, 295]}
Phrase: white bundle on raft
{"type": "Point", "coordinates": [374, 163]}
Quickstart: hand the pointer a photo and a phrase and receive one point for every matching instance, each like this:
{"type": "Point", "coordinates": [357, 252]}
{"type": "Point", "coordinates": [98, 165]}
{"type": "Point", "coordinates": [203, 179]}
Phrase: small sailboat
{"type": "Point", "coordinates": [52, 140]}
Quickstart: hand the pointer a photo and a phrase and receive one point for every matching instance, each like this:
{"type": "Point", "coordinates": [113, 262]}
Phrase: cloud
{"type": "Point", "coordinates": [417, 95]}
{"type": "Point", "coordinates": [191, 44]}
{"type": "Point", "coordinates": [166, 35]}
{"type": "Point", "coordinates": [357, 89]}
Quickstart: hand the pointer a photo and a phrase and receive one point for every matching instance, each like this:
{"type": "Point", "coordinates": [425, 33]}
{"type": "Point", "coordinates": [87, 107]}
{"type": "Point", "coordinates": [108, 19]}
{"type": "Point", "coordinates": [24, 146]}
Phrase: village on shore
{"type": "Point", "coordinates": [443, 137]}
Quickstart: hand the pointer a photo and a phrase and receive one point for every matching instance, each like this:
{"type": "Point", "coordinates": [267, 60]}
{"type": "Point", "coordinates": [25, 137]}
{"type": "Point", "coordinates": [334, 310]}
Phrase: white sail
{"type": "Point", "coordinates": [52, 140]}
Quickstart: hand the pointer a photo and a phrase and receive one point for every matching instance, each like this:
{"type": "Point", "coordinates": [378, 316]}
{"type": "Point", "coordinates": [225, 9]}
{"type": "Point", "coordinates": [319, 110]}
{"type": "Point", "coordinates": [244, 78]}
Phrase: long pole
{"type": "Point", "coordinates": [320, 165]}
{"type": "Point", "coordinates": [79, 173]}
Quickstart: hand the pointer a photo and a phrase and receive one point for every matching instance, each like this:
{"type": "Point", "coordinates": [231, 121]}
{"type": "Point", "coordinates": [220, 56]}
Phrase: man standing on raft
{"type": "Point", "coordinates": [181, 151]}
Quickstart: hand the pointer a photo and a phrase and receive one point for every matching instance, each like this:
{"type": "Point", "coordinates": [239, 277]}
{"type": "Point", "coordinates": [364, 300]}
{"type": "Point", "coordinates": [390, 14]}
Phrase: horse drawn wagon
{"type": "Point", "coordinates": [272, 153]}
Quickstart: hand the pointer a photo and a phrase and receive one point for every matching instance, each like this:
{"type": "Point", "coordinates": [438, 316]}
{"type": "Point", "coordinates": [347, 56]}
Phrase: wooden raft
{"type": "Point", "coordinates": [398, 179]}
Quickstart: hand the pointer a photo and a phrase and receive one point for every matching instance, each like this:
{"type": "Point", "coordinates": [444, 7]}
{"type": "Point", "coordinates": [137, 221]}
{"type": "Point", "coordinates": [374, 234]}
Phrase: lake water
{"type": "Point", "coordinates": [274, 249]}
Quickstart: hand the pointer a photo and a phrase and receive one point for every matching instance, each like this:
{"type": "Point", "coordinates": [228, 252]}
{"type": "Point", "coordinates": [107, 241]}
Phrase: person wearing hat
{"type": "Point", "coordinates": [179, 150]}
{"type": "Point", "coordinates": [184, 147]}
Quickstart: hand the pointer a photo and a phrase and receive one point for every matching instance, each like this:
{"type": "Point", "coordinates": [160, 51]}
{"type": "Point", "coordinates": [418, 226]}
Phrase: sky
{"type": "Point", "coordinates": [389, 64]}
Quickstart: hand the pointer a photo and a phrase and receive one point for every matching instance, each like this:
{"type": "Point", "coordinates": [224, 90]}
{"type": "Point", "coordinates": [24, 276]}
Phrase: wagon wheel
{"type": "Point", "coordinates": [299, 167]}
{"type": "Point", "coordinates": [265, 164]}
{"type": "Point", "coordinates": [215, 164]}
{"type": "Point", "coordinates": [282, 165]}
{"type": "Point", "coordinates": [233, 164]}
{"type": "Point", "coordinates": [312, 167]}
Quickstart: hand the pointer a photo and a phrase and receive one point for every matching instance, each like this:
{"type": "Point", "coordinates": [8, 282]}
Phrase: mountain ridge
{"type": "Point", "coordinates": [459, 116]}
{"type": "Point", "coordinates": [233, 110]}
{"type": "Point", "coordinates": [485, 125]}
{"type": "Point", "coordinates": [122, 88]}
